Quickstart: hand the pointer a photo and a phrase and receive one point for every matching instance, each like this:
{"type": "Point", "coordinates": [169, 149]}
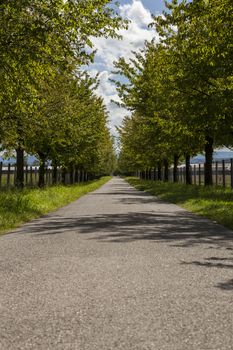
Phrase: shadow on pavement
{"type": "Point", "coordinates": [228, 285]}
{"type": "Point", "coordinates": [209, 264]}
{"type": "Point", "coordinates": [176, 227]}
{"type": "Point", "coordinates": [179, 228]}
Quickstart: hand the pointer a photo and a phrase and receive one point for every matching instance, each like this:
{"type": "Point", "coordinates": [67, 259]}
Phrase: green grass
{"type": "Point", "coordinates": [17, 207]}
{"type": "Point", "coordinates": [215, 203]}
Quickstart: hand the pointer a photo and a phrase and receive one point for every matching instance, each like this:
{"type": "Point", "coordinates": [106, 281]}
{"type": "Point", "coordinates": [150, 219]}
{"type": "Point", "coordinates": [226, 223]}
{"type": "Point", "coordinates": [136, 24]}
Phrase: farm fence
{"type": "Point", "coordinates": [222, 172]}
{"type": "Point", "coordinates": [31, 176]}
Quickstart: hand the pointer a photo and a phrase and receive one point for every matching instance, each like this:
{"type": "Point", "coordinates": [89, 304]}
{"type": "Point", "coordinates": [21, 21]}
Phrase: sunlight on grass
{"type": "Point", "coordinates": [17, 207]}
{"type": "Point", "coordinates": [215, 203]}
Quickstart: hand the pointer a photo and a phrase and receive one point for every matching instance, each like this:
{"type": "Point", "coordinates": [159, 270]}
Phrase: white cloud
{"type": "Point", "coordinates": [136, 11]}
{"type": "Point", "coordinates": [106, 88]}
{"type": "Point", "coordinates": [109, 50]}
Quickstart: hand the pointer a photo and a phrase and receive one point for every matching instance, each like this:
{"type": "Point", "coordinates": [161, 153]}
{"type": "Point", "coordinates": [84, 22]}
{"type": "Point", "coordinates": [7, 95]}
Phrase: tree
{"type": "Point", "coordinates": [198, 35]}
{"type": "Point", "coordinates": [37, 40]}
{"type": "Point", "coordinates": [71, 126]}
{"type": "Point", "coordinates": [181, 88]}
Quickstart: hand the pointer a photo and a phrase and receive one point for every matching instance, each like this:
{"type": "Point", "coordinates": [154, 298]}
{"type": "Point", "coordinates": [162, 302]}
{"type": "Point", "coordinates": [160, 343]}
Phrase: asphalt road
{"type": "Point", "coordinates": [118, 269]}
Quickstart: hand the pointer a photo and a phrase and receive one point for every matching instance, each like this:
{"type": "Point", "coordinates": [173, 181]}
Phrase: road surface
{"type": "Point", "coordinates": [117, 269]}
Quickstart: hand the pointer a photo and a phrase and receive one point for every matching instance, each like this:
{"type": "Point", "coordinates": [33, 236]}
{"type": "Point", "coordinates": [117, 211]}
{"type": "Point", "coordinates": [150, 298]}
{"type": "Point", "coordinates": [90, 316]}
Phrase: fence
{"type": "Point", "coordinates": [31, 176]}
{"type": "Point", "coordinates": [222, 172]}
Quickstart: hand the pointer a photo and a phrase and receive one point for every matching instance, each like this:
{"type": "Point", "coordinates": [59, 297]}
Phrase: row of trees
{"type": "Point", "coordinates": [180, 90]}
{"type": "Point", "coordinates": [48, 105]}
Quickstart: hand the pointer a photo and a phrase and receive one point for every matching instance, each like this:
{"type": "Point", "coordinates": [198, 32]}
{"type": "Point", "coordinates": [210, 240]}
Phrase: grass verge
{"type": "Point", "coordinates": [215, 203]}
{"type": "Point", "coordinates": [17, 207]}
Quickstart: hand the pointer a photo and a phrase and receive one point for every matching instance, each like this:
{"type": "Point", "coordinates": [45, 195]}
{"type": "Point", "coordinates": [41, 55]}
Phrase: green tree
{"type": "Point", "coordinates": [181, 88]}
{"type": "Point", "coordinates": [38, 39]}
{"type": "Point", "coordinates": [199, 36]}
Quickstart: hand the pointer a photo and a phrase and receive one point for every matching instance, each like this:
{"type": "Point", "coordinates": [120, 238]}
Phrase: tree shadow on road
{"type": "Point", "coordinates": [176, 227]}
{"type": "Point", "coordinates": [228, 285]}
{"type": "Point", "coordinates": [179, 228]}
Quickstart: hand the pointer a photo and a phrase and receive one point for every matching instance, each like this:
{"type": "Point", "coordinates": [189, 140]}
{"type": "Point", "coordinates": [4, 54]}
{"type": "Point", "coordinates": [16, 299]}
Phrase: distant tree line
{"type": "Point", "coordinates": [180, 90]}
{"type": "Point", "coordinates": [48, 105]}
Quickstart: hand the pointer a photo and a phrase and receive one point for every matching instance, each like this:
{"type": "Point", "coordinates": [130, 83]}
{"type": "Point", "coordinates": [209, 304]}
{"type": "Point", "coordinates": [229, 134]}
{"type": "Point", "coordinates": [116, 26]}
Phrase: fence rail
{"type": "Point", "coordinates": [31, 176]}
{"type": "Point", "coordinates": [222, 173]}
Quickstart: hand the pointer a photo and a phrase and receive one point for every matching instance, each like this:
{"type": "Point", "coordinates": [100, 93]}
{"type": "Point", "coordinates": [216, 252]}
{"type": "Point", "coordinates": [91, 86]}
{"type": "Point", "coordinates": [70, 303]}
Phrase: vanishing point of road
{"type": "Point", "coordinates": [117, 269]}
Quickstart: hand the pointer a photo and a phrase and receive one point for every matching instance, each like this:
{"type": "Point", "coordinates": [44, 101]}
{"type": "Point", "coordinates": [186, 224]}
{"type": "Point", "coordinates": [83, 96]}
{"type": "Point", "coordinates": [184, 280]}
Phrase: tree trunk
{"type": "Point", "coordinates": [81, 175]}
{"type": "Point", "coordinates": [154, 174]}
{"type": "Point", "coordinates": [54, 174]}
{"type": "Point", "coordinates": [188, 177]}
{"type": "Point", "coordinates": [150, 174]}
{"type": "Point", "coordinates": [63, 176]}
{"type": "Point", "coordinates": [41, 182]}
{"type": "Point", "coordinates": [159, 171]}
{"type": "Point", "coordinates": [76, 176]}
{"type": "Point", "coordinates": [71, 174]}
{"type": "Point", "coordinates": [19, 182]}
{"type": "Point", "coordinates": [208, 161]}
{"type": "Point", "coordinates": [165, 163]}
{"type": "Point", "coordinates": [175, 169]}
{"type": "Point", "coordinates": [85, 176]}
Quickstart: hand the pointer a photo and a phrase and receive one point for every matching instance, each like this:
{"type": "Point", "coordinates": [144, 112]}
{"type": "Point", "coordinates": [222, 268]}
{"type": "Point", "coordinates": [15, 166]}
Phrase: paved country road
{"type": "Point", "coordinates": [118, 269]}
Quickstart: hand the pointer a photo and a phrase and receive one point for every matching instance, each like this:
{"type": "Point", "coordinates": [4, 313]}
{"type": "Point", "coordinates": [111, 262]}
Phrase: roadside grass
{"type": "Point", "coordinates": [18, 207]}
{"type": "Point", "coordinates": [215, 203]}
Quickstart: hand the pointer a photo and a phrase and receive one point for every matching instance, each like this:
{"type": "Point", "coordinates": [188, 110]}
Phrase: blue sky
{"type": "Point", "coordinates": [153, 5]}
{"type": "Point", "coordinates": [109, 50]}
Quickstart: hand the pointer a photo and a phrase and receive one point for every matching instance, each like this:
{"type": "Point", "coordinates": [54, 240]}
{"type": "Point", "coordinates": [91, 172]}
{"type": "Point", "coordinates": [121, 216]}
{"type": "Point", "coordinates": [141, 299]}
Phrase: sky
{"type": "Point", "coordinates": [109, 50]}
{"type": "Point", "coordinates": [152, 5]}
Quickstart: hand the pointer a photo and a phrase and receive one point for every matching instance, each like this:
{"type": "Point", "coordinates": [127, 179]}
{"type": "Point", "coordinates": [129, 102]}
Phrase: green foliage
{"type": "Point", "coordinates": [47, 106]}
{"type": "Point", "coordinates": [180, 90]}
{"type": "Point", "coordinates": [72, 123]}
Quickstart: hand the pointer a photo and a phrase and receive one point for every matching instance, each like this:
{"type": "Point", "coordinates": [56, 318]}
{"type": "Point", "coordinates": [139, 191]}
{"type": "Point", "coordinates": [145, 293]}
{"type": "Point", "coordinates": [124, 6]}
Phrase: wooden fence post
{"type": "Point", "coordinates": [50, 176]}
{"type": "Point", "coordinates": [15, 174]}
{"type": "Point", "coordinates": [46, 175]}
{"type": "Point", "coordinates": [199, 173]}
{"type": "Point", "coordinates": [26, 175]}
{"type": "Point", "coordinates": [31, 182]}
{"type": "Point", "coordinates": [59, 175]}
{"type": "Point", "coordinates": [223, 173]}
{"type": "Point", "coordinates": [8, 175]}
{"type": "Point", "coordinates": [216, 173]}
{"type": "Point", "coordinates": [0, 174]}
{"type": "Point", "coordinates": [35, 170]}
{"type": "Point", "coordinates": [232, 173]}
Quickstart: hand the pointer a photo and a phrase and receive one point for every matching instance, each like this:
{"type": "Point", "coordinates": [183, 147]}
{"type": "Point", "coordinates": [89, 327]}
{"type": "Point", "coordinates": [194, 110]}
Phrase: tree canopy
{"type": "Point", "coordinates": [180, 89]}
{"type": "Point", "coordinates": [47, 104]}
